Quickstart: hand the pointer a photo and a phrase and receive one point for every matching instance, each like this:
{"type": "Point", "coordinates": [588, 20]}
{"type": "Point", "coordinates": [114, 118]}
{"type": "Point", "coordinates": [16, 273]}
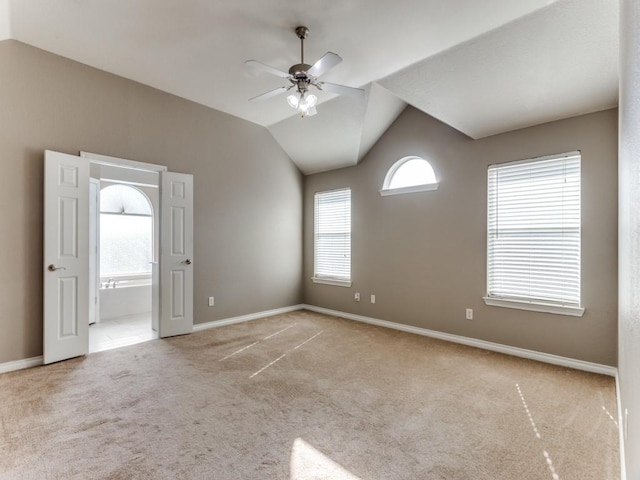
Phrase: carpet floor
{"type": "Point", "coordinates": [306, 396]}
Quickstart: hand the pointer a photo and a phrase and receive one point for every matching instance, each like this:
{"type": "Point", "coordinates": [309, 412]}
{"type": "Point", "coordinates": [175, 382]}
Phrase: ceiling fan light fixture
{"type": "Point", "coordinates": [293, 101]}
{"type": "Point", "coordinates": [312, 100]}
{"type": "Point", "coordinates": [304, 103]}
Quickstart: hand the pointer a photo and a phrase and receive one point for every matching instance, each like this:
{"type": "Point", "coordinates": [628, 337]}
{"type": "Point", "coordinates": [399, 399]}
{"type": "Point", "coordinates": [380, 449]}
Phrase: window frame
{"type": "Point", "coordinates": [423, 187]}
{"type": "Point", "coordinates": [328, 279]}
{"type": "Point", "coordinates": [533, 304]}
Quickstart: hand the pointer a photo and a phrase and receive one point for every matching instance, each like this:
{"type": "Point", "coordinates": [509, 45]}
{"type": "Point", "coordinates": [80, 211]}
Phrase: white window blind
{"type": "Point", "coordinates": [534, 231]}
{"type": "Point", "coordinates": [332, 235]}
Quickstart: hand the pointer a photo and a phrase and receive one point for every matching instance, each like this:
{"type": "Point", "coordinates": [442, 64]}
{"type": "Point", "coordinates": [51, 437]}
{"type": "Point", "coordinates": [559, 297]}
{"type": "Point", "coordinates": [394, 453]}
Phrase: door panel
{"type": "Point", "coordinates": [178, 228]}
{"type": "Point", "coordinates": [177, 289]}
{"type": "Point", "coordinates": [176, 254]}
{"type": "Point", "coordinates": [66, 248]}
{"type": "Point", "coordinates": [67, 299]}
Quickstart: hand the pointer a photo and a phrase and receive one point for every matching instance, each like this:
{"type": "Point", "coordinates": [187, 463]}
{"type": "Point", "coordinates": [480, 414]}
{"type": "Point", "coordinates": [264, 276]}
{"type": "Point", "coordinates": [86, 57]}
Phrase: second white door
{"type": "Point", "coordinates": [176, 254]}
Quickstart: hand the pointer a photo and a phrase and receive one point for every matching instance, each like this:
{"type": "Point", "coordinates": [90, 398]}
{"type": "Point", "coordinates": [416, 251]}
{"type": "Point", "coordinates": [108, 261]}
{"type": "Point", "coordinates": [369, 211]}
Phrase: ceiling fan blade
{"type": "Point", "coordinates": [266, 68]}
{"type": "Point", "coordinates": [270, 93]}
{"type": "Point", "coordinates": [342, 90]}
{"type": "Point", "coordinates": [326, 63]}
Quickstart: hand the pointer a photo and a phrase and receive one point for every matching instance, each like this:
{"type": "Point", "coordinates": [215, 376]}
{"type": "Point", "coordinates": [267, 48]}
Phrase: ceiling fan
{"type": "Point", "coordinates": [301, 76]}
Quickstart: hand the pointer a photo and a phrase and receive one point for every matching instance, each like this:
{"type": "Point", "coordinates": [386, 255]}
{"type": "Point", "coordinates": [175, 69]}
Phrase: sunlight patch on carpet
{"type": "Point", "coordinates": [547, 457]}
{"type": "Point", "coordinates": [284, 355]}
{"type": "Point", "coordinates": [610, 416]}
{"type": "Point", "coordinates": [238, 351]}
{"type": "Point", "coordinates": [307, 463]}
{"type": "Point", "coordinates": [278, 333]}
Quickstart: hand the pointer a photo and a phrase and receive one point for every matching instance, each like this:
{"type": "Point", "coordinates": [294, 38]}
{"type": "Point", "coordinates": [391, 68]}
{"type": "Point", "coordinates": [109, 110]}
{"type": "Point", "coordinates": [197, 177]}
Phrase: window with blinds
{"type": "Point", "coordinates": [533, 243]}
{"type": "Point", "coordinates": [332, 237]}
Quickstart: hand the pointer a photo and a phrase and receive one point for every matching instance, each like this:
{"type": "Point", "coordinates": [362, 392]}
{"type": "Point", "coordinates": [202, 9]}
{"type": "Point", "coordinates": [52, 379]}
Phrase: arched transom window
{"type": "Point", "coordinates": [126, 231]}
{"type": "Point", "coordinates": [408, 175]}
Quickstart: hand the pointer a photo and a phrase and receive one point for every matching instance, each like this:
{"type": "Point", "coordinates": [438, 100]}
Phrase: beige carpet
{"type": "Point", "coordinates": [306, 396]}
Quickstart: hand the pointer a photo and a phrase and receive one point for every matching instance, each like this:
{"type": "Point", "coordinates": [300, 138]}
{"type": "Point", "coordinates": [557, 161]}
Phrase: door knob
{"type": "Point", "coordinates": [187, 262]}
{"type": "Point", "coordinates": [53, 268]}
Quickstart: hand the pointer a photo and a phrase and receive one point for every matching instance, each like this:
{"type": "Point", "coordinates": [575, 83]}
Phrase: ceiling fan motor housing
{"type": "Point", "coordinates": [299, 69]}
{"type": "Point", "coordinates": [299, 77]}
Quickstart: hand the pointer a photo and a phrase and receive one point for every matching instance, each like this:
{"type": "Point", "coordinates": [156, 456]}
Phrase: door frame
{"type": "Point", "coordinates": [99, 159]}
{"type": "Point", "coordinates": [122, 162]}
{"type": "Point", "coordinates": [94, 253]}
{"type": "Point", "coordinates": [159, 281]}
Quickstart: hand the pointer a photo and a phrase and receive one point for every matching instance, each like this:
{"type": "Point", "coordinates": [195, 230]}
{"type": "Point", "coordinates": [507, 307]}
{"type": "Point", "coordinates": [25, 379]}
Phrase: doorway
{"type": "Point", "coordinates": [123, 245]}
{"type": "Point", "coordinates": [66, 273]}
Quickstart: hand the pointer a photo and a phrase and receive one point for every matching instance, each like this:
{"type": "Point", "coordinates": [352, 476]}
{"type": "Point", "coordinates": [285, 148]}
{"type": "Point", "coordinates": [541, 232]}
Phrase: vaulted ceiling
{"type": "Point", "coordinates": [482, 67]}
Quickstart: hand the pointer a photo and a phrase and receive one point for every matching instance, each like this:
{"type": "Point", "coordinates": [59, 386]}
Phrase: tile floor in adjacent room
{"type": "Point", "coordinates": [119, 332]}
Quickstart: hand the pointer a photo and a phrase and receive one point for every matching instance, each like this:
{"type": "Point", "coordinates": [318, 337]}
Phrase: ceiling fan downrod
{"type": "Point", "coordinates": [302, 32]}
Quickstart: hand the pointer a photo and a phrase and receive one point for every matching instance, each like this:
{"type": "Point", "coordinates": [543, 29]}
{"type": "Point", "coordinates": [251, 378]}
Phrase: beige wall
{"type": "Point", "coordinates": [248, 193]}
{"type": "Point", "coordinates": [424, 254]}
{"type": "Point", "coordinates": [629, 266]}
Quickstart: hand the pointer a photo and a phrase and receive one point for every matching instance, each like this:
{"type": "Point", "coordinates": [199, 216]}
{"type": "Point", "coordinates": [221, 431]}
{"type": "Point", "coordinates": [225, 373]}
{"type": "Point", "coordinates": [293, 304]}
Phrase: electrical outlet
{"type": "Point", "coordinates": [373, 298]}
{"type": "Point", "coordinates": [469, 314]}
{"type": "Point", "coordinates": [356, 297]}
{"type": "Point", "coordinates": [211, 302]}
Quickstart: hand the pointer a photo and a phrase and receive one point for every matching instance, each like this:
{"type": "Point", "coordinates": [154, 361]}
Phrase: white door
{"type": "Point", "coordinates": [66, 257]}
{"type": "Point", "coordinates": [176, 254]}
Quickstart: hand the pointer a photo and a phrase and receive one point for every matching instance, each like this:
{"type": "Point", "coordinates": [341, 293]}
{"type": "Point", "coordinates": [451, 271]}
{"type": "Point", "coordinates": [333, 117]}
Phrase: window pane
{"type": "Point", "coordinates": [333, 234]}
{"type": "Point", "coordinates": [415, 171]}
{"type": "Point", "coordinates": [534, 231]}
{"type": "Point", "coordinates": [125, 244]}
{"type": "Point", "coordinates": [124, 199]}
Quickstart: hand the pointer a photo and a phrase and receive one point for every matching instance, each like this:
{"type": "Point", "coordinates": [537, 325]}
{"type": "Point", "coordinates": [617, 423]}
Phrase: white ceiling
{"type": "Point", "coordinates": [481, 67]}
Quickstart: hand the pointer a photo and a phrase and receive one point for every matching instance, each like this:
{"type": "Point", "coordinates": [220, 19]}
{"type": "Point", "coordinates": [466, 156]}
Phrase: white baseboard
{"type": "Point", "coordinates": [496, 347]}
{"type": "Point", "coordinates": [245, 318]}
{"type": "Point", "coordinates": [623, 465]}
{"type": "Point", "coordinates": [20, 364]}
{"type": "Point", "coordinates": [472, 342]}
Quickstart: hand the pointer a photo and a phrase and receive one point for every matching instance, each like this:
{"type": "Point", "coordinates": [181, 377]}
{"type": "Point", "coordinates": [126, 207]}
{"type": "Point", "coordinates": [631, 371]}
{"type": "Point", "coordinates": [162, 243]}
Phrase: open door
{"type": "Point", "coordinates": [176, 254]}
{"type": "Point", "coordinates": [66, 256]}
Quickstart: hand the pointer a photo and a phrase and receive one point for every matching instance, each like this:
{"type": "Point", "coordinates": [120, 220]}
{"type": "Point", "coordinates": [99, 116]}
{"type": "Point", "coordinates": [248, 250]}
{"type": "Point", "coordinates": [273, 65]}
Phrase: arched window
{"type": "Point", "coordinates": [408, 175]}
{"type": "Point", "coordinates": [126, 231]}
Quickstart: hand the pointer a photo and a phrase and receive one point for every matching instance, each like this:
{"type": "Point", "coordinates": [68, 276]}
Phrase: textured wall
{"type": "Point", "coordinates": [248, 193]}
{"type": "Point", "coordinates": [424, 254]}
{"type": "Point", "coordinates": [629, 230]}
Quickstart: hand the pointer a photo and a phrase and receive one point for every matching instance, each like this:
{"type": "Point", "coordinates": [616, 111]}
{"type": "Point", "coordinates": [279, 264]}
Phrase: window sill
{"type": "Point", "coordinates": [535, 307]}
{"type": "Point", "coordinates": [413, 189]}
{"type": "Point", "coordinates": [331, 281]}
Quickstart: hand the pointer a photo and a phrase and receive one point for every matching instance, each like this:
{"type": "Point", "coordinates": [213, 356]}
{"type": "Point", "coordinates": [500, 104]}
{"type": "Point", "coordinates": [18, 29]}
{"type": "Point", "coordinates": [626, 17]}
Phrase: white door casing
{"type": "Point", "coordinates": [176, 254]}
{"type": "Point", "coordinates": [66, 257]}
{"type": "Point", "coordinates": [94, 254]}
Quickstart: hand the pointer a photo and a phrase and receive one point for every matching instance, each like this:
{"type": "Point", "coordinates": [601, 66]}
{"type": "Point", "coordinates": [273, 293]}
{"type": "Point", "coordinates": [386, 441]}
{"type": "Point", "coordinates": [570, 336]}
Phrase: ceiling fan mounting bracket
{"type": "Point", "coordinates": [302, 32]}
